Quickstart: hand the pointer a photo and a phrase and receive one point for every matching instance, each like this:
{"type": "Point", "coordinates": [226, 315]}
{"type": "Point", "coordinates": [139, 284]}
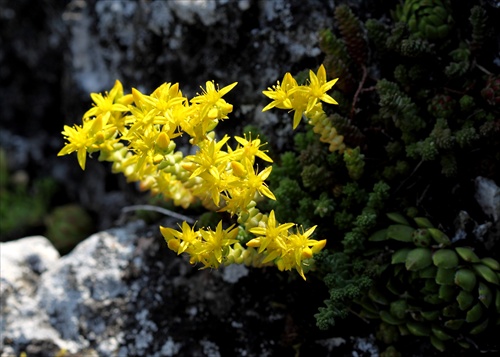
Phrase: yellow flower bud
{"type": "Point", "coordinates": [157, 159]}
{"type": "Point", "coordinates": [280, 264]}
{"type": "Point", "coordinates": [254, 243]}
{"type": "Point", "coordinates": [189, 166]}
{"type": "Point", "coordinates": [174, 244]}
{"type": "Point", "coordinates": [238, 169]}
{"type": "Point", "coordinates": [163, 141]}
{"type": "Point", "coordinates": [307, 253]}
{"type": "Point", "coordinates": [318, 246]}
{"type": "Point", "coordinates": [213, 113]}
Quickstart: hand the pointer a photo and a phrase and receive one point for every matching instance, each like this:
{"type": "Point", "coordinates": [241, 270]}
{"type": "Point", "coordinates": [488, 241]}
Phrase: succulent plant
{"type": "Point", "coordinates": [427, 19]}
{"type": "Point", "coordinates": [433, 288]}
{"type": "Point", "coordinates": [415, 125]}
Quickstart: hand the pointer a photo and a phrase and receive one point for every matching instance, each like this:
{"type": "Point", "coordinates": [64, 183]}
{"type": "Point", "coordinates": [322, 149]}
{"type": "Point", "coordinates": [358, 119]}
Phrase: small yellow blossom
{"type": "Point", "coordinates": [78, 140]}
{"type": "Point", "coordinates": [180, 241]}
{"type": "Point", "coordinates": [318, 87]}
{"type": "Point", "coordinates": [251, 148]}
{"type": "Point", "coordinates": [216, 245]}
{"type": "Point", "coordinates": [108, 102]}
{"type": "Point", "coordinates": [272, 234]}
{"type": "Point", "coordinates": [300, 99]}
{"type": "Point", "coordinates": [211, 102]}
{"type": "Point", "coordinates": [280, 93]}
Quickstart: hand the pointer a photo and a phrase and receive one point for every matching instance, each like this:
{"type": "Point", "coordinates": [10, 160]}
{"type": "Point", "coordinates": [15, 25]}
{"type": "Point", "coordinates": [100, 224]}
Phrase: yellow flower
{"type": "Point", "coordinates": [216, 245]}
{"type": "Point", "coordinates": [256, 182]}
{"type": "Point", "coordinates": [300, 248]}
{"type": "Point", "coordinates": [107, 103]}
{"type": "Point", "coordinates": [251, 148]}
{"type": "Point", "coordinates": [180, 241]}
{"type": "Point", "coordinates": [299, 105]}
{"type": "Point", "coordinates": [212, 104]}
{"type": "Point", "coordinates": [271, 234]}
{"type": "Point", "coordinates": [300, 99]}
{"type": "Point", "coordinates": [318, 87]}
{"type": "Point", "coordinates": [280, 93]}
{"type": "Point", "coordinates": [208, 157]}
{"type": "Point", "coordinates": [78, 140]}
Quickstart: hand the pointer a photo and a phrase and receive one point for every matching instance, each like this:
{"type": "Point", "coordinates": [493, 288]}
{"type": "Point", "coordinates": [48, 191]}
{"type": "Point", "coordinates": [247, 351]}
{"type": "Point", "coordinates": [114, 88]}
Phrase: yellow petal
{"type": "Point", "coordinates": [82, 156]}
{"type": "Point", "coordinates": [271, 256]}
{"type": "Point", "coordinates": [267, 192]}
{"type": "Point", "coordinates": [297, 117]}
{"type": "Point", "coordinates": [254, 243]}
{"type": "Point", "coordinates": [226, 89]}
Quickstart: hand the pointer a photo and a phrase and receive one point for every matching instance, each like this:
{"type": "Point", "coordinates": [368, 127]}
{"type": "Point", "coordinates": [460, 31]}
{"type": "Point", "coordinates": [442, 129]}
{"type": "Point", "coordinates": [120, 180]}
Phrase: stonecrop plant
{"type": "Point", "coordinates": [137, 133]}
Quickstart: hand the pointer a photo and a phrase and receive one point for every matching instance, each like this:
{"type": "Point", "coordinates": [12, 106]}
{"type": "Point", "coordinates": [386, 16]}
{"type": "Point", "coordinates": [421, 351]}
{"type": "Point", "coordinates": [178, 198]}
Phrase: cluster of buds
{"type": "Point", "coordinates": [137, 132]}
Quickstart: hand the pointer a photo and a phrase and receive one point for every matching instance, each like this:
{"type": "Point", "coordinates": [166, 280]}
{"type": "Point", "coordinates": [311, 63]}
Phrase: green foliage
{"type": "Point", "coordinates": [343, 287]}
{"type": "Point", "coordinates": [432, 287]}
{"type": "Point", "coordinates": [352, 33]}
{"type": "Point", "coordinates": [68, 225]}
{"type": "Point", "coordinates": [426, 19]}
{"type": "Point", "coordinates": [23, 204]}
{"type": "Point", "coordinates": [418, 111]}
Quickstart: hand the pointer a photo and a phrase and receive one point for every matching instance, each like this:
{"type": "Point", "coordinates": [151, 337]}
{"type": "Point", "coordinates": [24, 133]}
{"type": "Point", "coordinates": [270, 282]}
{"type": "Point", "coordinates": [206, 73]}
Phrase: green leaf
{"type": "Point", "coordinates": [378, 236]}
{"type": "Point", "coordinates": [400, 232]}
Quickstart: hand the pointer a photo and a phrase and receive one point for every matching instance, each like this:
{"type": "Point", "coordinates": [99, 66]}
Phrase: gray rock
{"type": "Point", "coordinates": [22, 263]}
{"type": "Point", "coordinates": [488, 197]}
{"type": "Point", "coordinates": [121, 292]}
{"type": "Point", "coordinates": [147, 43]}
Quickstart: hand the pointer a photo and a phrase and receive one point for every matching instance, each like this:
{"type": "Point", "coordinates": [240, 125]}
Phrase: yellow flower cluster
{"type": "Point", "coordinates": [300, 99]}
{"type": "Point", "coordinates": [137, 132]}
{"type": "Point", "coordinates": [304, 100]}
